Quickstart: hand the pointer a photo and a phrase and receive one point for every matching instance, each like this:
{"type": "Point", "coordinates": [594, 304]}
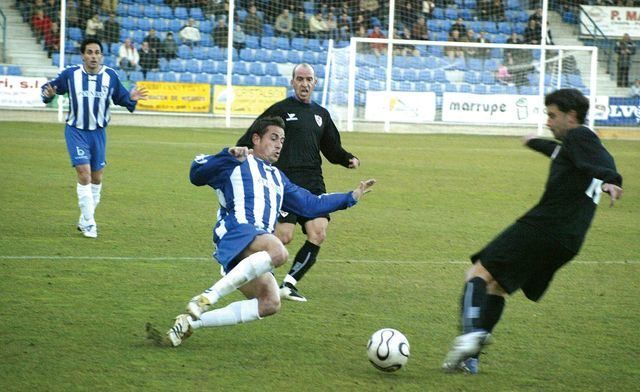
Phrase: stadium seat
{"type": "Point", "coordinates": [471, 4]}
{"type": "Point", "coordinates": [247, 54]}
{"type": "Point", "coordinates": [487, 78]}
{"type": "Point", "coordinates": [240, 68]}
{"type": "Point", "coordinates": [267, 43]}
{"type": "Point", "coordinates": [271, 69]}
{"type": "Point", "coordinates": [237, 80]}
{"type": "Point", "coordinates": [202, 78]}
{"type": "Point", "coordinates": [406, 86]}
{"type": "Point", "coordinates": [175, 25]}
{"type": "Point", "coordinates": [75, 33]}
{"type": "Point", "coordinates": [186, 77]}
{"type": "Point", "coordinates": [162, 25]}
{"type": "Point", "coordinates": [164, 64]}
{"type": "Point", "coordinates": [295, 56]}
{"type": "Point", "coordinates": [497, 89]}
{"type": "Point", "coordinates": [397, 74]}
{"type": "Point", "coordinates": [184, 52]}
{"type": "Point", "coordinates": [314, 45]}
{"type": "Point", "coordinates": [505, 27]}
{"type": "Point", "coordinates": [218, 54]}
{"type": "Point", "coordinates": [218, 79]}
{"type": "Point", "coordinates": [281, 81]}
{"type": "Point", "coordinates": [13, 70]}
{"type": "Point", "coordinates": [206, 27]}
{"type": "Point", "coordinates": [451, 13]}
{"type": "Point", "coordinates": [177, 65]}
{"type": "Point", "coordinates": [437, 88]}
{"type": "Point", "coordinates": [479, 89]}
{"type": "Point", "coordinates": [208, 66]}
{"type": "Point", "coordinates": [136, 10]}
{"type": "Point", "coordinates": [150, 11]}
{"type": "Point", "coordinates": [206, 40]}
{"type": "Point", "coordinates": [154, 76]}
{"type": "Point", "coordinates": [250, 80]}
{"type": "Point", "coordinates": [279, 56]}
{"type": "Point", "coordinates": [196, 13]}
{"type": "Point", "coordinates": [138, 36]}
{"type": "Point", "coordinates": [425, 75]}
{"type": "Point", "coordinates": [375, 85]}
{"type": "Point", "coordinates": [297, 43]}
{"type": "Point", "coordinates": [319, 70]}
{"type": "Point", "coordinates": [181, 13]}
{"type": "Point", "coordinates": [569, 17]}
{"type": "Point", "coordinates": [465, 14]}
{"type": "Point", "coordinates": [512, 4]}
{"type": "Point", "coordinates": [465, 88]}
{"type": "Point", "coordinates": [490, 27]}
{"type": "Point", "coordinates": [475, 64]}
{"type": "Point", "coordinates": [266, 81]}
{"type": "Point", "coordinates": [411, 75]}
{"type": "Point", "coordinates": [438, 13]}
{"type": "Point", "coordinates": [252, 42]}
{"type": "Point", "coordinates": [144, 24]}
{"type": "Point", "coordinates": [164, 11]}
{"type": "Point", "coordinates": [122, 9]}
{"type": "Point", "coordinates": [263, 55]}
{"type": "Point", "coordinates": [434, 25]}
{"type": "Point", "coordinates": [450, 88]}
{"type": "Point", "coordinates": [194, 66]}
{"type": "Point", "coordinates": [471, 77]}
{"type": "Point", "coordinates": [282, 43]}
{"type": "Point", "coordinates": [267, 30]}
{"type": "Point", "coordinates": [136, 76]}
{"type": "Point", "coordinates": [256, 69]}
{"type": "Point", "coordinates": [439, 76]}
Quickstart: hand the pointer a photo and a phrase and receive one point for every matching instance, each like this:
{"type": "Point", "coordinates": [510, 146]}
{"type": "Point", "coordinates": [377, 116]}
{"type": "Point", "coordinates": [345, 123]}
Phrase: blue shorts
{"type": "Point", "coordinates": [232, 243]}
{"type": "Point", "coordinates": [86, 147]}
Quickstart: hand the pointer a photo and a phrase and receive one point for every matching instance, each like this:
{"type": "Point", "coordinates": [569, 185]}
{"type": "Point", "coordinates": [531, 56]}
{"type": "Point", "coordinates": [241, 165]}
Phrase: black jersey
{"type": "Point", "coordinates": [309, 130]}
{"type": "Point", "coordinates": [579, 167]}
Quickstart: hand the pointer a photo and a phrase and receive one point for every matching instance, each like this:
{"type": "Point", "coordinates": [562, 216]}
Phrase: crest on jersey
{"type": "Point", "coordinates": [318, 120]}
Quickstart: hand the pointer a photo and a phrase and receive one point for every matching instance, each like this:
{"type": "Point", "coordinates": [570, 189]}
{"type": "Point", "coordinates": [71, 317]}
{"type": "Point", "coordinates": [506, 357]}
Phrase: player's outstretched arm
{"type": "Point", "coordinates": [138, 93]}
{"type": "Point", "coordinates": [614, 191]}
{"type": "Point", "coordinates": [364, 187]}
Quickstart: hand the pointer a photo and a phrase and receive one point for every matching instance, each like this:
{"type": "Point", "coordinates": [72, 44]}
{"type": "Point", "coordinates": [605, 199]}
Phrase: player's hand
{"type": "Point", "coordinates": [139, 93]}
{"type": "Point", "coordinates": [240, 153]}
{"type": "Point", "coordinates": [614, 191]}
{"type": "Point", "coordinates": [363, 188]}
{"type": "Point", "coordinates": [354, 163]}
{"type": "Point", "coordinates": [527, 138]}
{"type": "Point", "coordinates": [49, 90]}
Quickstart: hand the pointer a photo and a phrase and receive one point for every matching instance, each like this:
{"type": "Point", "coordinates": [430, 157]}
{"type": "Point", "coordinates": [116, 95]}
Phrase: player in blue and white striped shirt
{"type": "Point", "coordinates": [90, 87]}
{"type": "Point", "coordinates": [251, 192]}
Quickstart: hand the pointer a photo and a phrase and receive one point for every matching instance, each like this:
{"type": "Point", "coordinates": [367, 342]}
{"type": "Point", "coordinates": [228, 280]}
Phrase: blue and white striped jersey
{"type": "Point", "coordinates": [253, 192]}
{"type": "Point", "coordinates": [90, 95]}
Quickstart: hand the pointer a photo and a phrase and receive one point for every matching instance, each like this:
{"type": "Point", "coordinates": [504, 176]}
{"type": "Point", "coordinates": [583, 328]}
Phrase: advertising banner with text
{"type": "Point", "coordinates": [612, 21]}
{"type": "Point", "coordinates": [503, 109]}
{"type": "Point", "coordinates": [23, 91]}
{"type": "Point", "coordinates": [401, 106]}
{"type": "Point", "coordinates": [176, 97]}
{"type": "Point", "coordinates": [249, 100]}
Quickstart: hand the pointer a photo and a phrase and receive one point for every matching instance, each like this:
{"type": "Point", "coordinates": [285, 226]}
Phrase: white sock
{"type": "Point", "coordinates": [290, 279]}
{"type": "Point", "coordinates": [85, 202]}
{"type": "Point", "coordinates": [95, 191]}
{"type": "Point", "coordinates": [247, 270]}
{"type": "Point", "coordinates": [234, 313]}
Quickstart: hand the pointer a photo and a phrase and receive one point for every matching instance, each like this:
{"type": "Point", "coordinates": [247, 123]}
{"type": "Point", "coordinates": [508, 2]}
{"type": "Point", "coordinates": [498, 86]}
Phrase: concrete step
{"type": "Point", "coordinates": [47, 71]}
{"type": "Point", "coordinates": [28, 58]}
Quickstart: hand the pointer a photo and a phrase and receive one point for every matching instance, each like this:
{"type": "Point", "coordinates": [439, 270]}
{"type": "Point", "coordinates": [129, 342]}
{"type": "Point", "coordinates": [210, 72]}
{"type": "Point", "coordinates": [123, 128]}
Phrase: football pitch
{"type": "Point", "coordinates": [73, 310]}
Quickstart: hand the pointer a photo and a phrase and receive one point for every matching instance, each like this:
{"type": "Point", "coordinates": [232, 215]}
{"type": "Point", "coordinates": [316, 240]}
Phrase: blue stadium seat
{"type": "Point", "coordinates": [282, 43]}
{"type": "Point", "coordinates": [271, 69]}
{"type": "Point", "coordinates": [242, 14]}
{"type": "Point", "coordinates": [375, 85]}
{"type": "Point", "coordinates": [475, 64]}
{"type": "Point", "coordinates": [319, 68]}
{"type": "Point", "coordinates": [177, 65]}
{"type": "Point", "coordinates": [439, 76]}
{"type": "Point", "coordinates": [184, 52]}
{"type": "Point", "coordinates": [194, 66]}
{"type": "Point", "coordinates": [451, 13]}
{"type": "Point", "coordinates": [267, 43]}
{"type": "Point", "coordinates": [512, 4]}
{"type": "Point", "coordinates": [247, 54]}
{"type": "Point", "coordinates": [75, 34]}
{"type": "Point", "coordinates": [450, 88]}
{"type": "Point", "coordinates": [55, 59]}
{"type": "Point", "coordinates": [256, 69]}
{"type": "Point", "coordinates": [164, 64]}
{"type": "Point", "coordinates": [164, 11]}
{"type": "Point", "coordinates": [364, 73]}
{"type": "Point", "coordinates": [505, 27]}
{"type": "Point", "coordinates": [297, 43]}
{"type": "Point", "coordinates": [411, 75]}
{"type": "Point", "coordinates": [201, 53]}
{"type": "Point", "coordinates": [196, 13]}
{"type": "Point", "coordinates": [240, 68]}
{"type": "Point", "coordinates": [136, 10]}
{"type": "Point", "coordinates": [406, 86]}
{"type": "Point", "coordinates": [263, 55]}
{"type": "Point", "coordinates": [488, 78]}
{"type": "Point", "coordinates": [266, 81]}
{"type": "Point", "coordinates": [206, 27]}
{"type": "Point", "coordinates": [175, 25]}
{"type": "Point", "coordinates": [267, 30]}
{"type": "Point", "coordinates": [489, 27]}
{"type": "Point", "coordinates": [218, 79]}
{"type": "Point", "coordinates": [250, 80]}
{"type": "Point", "coordinates": [465, 88]}
{"type": "Point", "coordinates": [497, 89]}
{"type": "Point", "coordinates": [438, 13]}
{"type": "Point", "coordinates": [144, 24]}
{"type": "Point", "coordinates": [206, 40]}
{"type": "Point", "coordinates": [434, 25]}
{"type": "Point", "coordinates": [13, 70]}
{"type": "Point", "coordinates": [135, 76]}
{"type": "Point", "coordinates": [154, 76]}
{"type": "Point", "coordinates": [138, 36]}
{"type": "Point", "coordinates": [237, 79]}
{"type": "Point", "coordinates": [181, 13]}
{"type": "Point", "coordinates": [479, 89]}
{"type": "Point", "coordinates": [209, 66]}
{"type": "Point", "coordinates": [151, 11]}
{"type": "Point", "coordinates": [397, 74]}
{"type": "Point", "coordinates": [252, 42]}
{"type": "Point", "coordinates": [471, 77]}
{"type": "Point", "coordinates": [279, 56]}
{"type": "Point", "coordinates": [465, 14]}
{"type": "Point", "coordinates": [314, 45]}
{"type": "Point", "coordinates": [122, 9]}
{"type": "Point", "coordinates": [295, 56]}
{"type": "Point", "coordinates": [202, 78]}
{"type": "Point", "coordinates": [470, 4]}
{"type": "Point", "coordinates": [186, 77]}
{"type": "Point", "coordinates": [425, 75]}
{"type": "Point", "coordinates": [437, 88]}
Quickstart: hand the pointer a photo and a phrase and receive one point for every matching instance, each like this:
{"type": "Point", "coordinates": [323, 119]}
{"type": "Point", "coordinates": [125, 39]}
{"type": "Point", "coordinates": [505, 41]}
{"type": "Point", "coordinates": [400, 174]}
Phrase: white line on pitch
{"type": "Point", "coordinates": [134, 258]}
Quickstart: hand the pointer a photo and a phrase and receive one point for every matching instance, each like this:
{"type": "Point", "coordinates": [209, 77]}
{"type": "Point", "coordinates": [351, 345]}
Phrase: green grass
{"type": "Point", "coordinates": [72, 310]}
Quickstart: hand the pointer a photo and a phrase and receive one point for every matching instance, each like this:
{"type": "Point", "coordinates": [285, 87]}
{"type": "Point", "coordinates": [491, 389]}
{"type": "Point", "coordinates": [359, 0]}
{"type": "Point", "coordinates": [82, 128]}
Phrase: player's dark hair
{"type": "Point", "coordinates": [567, 99]}
{"type": "Point", "coordinates": [88, 41]}
{"type": "Point", "coordinates": [260, 127]}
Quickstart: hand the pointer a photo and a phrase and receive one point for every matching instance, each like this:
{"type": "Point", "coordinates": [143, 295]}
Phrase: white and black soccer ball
{"type": "Point", "coordinates": [388, 350]}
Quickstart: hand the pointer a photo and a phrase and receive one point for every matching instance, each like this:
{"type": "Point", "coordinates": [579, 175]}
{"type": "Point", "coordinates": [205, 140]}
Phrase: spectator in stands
{"type": "Point", "coordinates": [361, 32]}
{"type": "Point", "coordinates": [405, 50]}
{"type": "Point", "coordinates": [454, 52]}
{"type": "Point", "coordinates": [253, 22]}
{"type": "Point", "coordinates": [458, 26]}
{"type": "Point", "coordinates": [484, 9]}
{"type": "Point", "coordinates": [502, 75]}
{"type": "Point", "coordinates": [368, 9]}
{"type": "Point", "coordinates": [128, 56]}
{"type": "Point", "coordinates": [239, 37]}
{"type": "Point", "coordinates": [169, 47]}
{"type": "Point", "coordinates": [332, 25]}
{"type": "Point", "coordinates": [52, 39]}
{"type": "Point", "coordinates": [284, 24]}
{"type": "Point", "coordinates": [344, 27]}
{"type": "Point", "coordinates": [484, 52]}
{"type": "Point", "coordinates": [148, 59]}
{"type": "Point", "coordinates": [71, 14]}
{"type": "Point", "coordinates": [300, 25]}
{"type": "Point", "coordinates": [109, 7]}
{"type": "Point", "coordinates": [111, 31]}
{"type": "Point", "coordinates": [155, 43]}
{"type": "Point", "coordinates": [625, 48]}
{"type": "Point", "coordinates": [537, 17]}
{"type": "Point", "coordinates": [221, 34]}
{"type": "Point", "coordinates": [51, 9]}
{"type": "Point", "coordinates": [532, 34]}
{"type": "Point", "coordinates": [318, 27]}
{"type": "Point", "coordinates": [470, 52]}
{"type": "Point", "coordinates": [518, 66]}
{"type": "Point", "coordinates": [376, 47]}
{"type": "Point", "coordinates": [496, 11]}
{"type": "Point", "coordinates": [406, 13]}
{"type": "Point", "coordinates": [216, 7]}
{"type": "Point", "coordinates": [40, 23]}
{"type": "Point", "coordinates": [420, 29]}
{"type": "Point", "coordinates": [360, 21]}
{"type": "Point", "coordinates": [189, 33]}
{"type": "Point", "coordinates": [94, 27]}
{"type": "Point", "coordinates": [86, 10]}
{"type": "Point", "coordinates": [427, 8]}
{"type": "Point", "coordinates": [634, 91]}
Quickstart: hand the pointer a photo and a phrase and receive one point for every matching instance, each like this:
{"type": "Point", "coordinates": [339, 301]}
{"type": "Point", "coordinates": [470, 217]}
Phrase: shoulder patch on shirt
{"type": "Point", "coordinates": [318, 120]}
{"type": "Point", "coordinates": [291, 117]}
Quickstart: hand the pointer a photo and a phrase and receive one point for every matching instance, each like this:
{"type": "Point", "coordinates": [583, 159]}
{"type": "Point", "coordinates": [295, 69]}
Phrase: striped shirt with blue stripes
{"type": "Point", "coordinates": [90, 96]}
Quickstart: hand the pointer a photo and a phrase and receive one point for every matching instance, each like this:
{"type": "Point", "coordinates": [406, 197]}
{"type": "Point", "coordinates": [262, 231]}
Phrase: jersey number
{"type": "Point", "coordinates": [595, 190]}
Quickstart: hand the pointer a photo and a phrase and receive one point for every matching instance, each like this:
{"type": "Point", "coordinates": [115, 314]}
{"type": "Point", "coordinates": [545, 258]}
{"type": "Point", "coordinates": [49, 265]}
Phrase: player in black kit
{"type": "Point", "coordinates": [310, 131]}
{"type": "Point", "coordinates": [528, 253]}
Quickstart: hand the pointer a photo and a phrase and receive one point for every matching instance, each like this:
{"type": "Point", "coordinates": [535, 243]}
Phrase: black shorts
{"type": "Point", "coordinates": [312, 183]}
{"type": "Point", "coordinates": [523, 257]}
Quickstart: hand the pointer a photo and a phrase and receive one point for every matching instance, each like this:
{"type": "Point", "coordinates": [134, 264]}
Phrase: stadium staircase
{"type": "Point", "coordinates": [22, 49]}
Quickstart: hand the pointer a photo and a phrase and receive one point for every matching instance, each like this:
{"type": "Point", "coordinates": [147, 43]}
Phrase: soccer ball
{"type": "Point", "coordinates": [388, 350]}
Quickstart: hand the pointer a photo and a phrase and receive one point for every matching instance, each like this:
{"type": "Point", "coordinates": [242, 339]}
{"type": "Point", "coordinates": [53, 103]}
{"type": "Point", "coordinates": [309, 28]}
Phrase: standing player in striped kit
{"type": "Point", "coordinates": [251, 193]}
{"type": "Point", "coordinates": [90, 86]}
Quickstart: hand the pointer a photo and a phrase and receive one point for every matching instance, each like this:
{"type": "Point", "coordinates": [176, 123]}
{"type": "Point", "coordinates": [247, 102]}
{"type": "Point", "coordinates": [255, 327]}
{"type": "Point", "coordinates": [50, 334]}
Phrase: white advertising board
{"type": "Point", "coordinates": [400, 106]}
{"type": "Point", "coordinates": [612, 21]}
{"type": "Point", "coordinates": [22, 91]}
{"type": "Point", "coordinates": [488, 109]}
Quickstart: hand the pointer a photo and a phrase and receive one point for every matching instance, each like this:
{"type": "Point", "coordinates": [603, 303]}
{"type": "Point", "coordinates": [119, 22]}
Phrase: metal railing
{"type": "Point", "coordinates": [3, 41]}
{"type": "Point", "coordinates": [600, 40]}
